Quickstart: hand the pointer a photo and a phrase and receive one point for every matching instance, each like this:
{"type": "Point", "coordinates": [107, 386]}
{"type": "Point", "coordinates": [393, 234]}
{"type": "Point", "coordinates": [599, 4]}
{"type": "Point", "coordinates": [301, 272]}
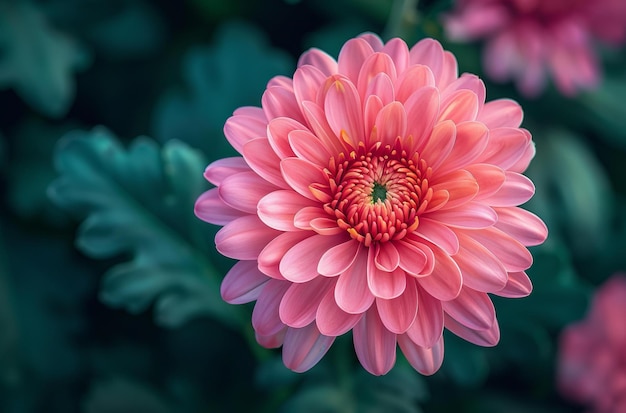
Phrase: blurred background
{"type": "Point", "coordinates": [109, 286]}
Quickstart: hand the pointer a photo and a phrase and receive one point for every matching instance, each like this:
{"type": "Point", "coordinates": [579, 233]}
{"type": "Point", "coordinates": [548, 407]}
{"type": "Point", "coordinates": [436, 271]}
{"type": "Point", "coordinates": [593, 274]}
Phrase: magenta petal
{"type": "Point", "coordinates": [278, 209]}
{"type": "Point", "coordinates": [243, 283]}
{"type": "Point", "coordinates": [265, 318]}
{"type": "Point", "coordinates": [427, 328]}
{"type": "Point", "coordinates": [472, 309]}
{"type": "Point", "coordinates": [425, 360]}
{"type": "Point", "coordinates": [331, 320]}
{"type": "Point", "coordinates": [299, 304]}
{"type": "Point", "coordinates": [304, 347]}
{"type": "Point", "coordinates": [382, 283]}
{"type": "Point", "coordinates": [244, 238]}
{"type": "Point", "coordinates": [522, 225]}
{"type": "Point", "coordinates": [487, 338]}
{"type": "Point", "coordinates": [352, 293]}
{"type": "Point", "coordinates": [209, 207]}
{"type": "Point", "coordinates": [445, 281]}
{"type": "Point", "coordinates": [375, 346]}
{"type": "Point", "coordinates": [217, 171]}
{"type": "Point", "coordinates": [338, 258]}
{"type": "Point", "coordinates": [518, 286]}
{"type": "Point", "coordinates": [299, 264]}
{"type": "Point", "coordinates": [399, 313]}
{"type": "Point", "coordinates": [300, 174]}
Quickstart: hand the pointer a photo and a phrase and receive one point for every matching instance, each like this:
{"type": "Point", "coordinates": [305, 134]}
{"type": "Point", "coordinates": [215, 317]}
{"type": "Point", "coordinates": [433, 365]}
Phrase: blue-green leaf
{"type": "Point", "coordinates": [140, 202]}
{"type": "Point", "coordinates": [37, 60]}
{"type": "Point", "coordinates": [218, 79]}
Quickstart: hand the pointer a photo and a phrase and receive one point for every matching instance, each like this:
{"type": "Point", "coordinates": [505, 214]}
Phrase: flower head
{"type": "Point", "coordinates": [527, 39]}
{"type": "Point", "coordinates": [377, 193]}
{"type": "Point", "coordinates": [592, 356]}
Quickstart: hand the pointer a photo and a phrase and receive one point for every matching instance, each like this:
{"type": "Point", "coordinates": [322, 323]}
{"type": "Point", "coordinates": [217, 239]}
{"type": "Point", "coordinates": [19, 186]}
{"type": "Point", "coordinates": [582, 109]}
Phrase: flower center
{"type": "Point", "coordinates": [378, 193]}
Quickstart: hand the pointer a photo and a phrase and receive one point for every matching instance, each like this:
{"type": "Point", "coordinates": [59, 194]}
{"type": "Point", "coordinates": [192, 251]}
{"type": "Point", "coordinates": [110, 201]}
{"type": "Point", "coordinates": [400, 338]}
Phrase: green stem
{"type": "Point", "coordinates": [402, 21]}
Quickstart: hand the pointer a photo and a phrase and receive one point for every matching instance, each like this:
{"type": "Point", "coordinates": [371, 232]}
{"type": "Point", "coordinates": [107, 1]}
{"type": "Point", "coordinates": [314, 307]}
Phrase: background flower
{"type": "Point", "coordinates": [377, 193]}
{"type": "Point", "coordinates": [592, 358]}
{"type": "Point", "coordinates": [528, 39]}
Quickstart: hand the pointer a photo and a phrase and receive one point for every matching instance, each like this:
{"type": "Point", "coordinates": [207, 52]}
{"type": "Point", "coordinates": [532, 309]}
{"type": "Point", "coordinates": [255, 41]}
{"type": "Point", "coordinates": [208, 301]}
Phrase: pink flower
{"type": "Point", "coordinates": [592, 358]}
{"type": "Point", "coordinates": [377, 193]}
{"type": "Point", "coordinates": [526, 39]}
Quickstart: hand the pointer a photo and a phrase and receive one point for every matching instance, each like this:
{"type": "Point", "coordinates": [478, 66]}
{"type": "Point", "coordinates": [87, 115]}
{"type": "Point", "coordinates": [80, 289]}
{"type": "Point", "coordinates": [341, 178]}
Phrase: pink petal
{"type": "Point", "coordinates": [281, 81]}
{"type": "Point", "coordinates": [506, 147]}
{"type": "Point", "coordinates": [471, 140]}
{"type": "Point", "coordinates": [440, 144]}
{"type": "Point", "coordinates": [373, 105]}
{"type": "Point", "coordinates": [425, 360]}
{"type": "Point", "coordinates": [351, 57]}
{"type": "Point", "coordinates": [209, 207]}
{"type": "Point", "coordinates": [481, 270]}
{"type": "Point", "coordinates": [472, 309]}
{"type": "Point", "coordinates": [299, 264]}
{"type": "Point", "coordinates": [391, 123]}
{"type": "Point", "coordinates": [316, 118]}
{"type": "Point", "coordinates": [243, 283]}
{"type": "Point", "coordinates": [271, 340]}
{"type": "Point", "coordinates": [261, 157]}
{"type": "Point", "coordinates": [222, 168]}
{"type": "Point", "coordinates": [513, 255]}
{"type": "Point", "coordinates": [343, 111]}
{"type": "Point", "coordinates": [307, 215]}
{"type": "Point", "coordinates": [373, 40]}
{"type": "Point", "coordinates": [460, 185]}
{"type": "Point", "coordinates": [445, 281]}
{"type": "Point", "coordinates": [386, 257]}
{"type": "Point", "coordinates": [244, 238]}
{"type": "Point", "coordinates": [412, 258]}
{"type": "Point", "coordinates": [381, 86]}
{"type": "Point", "coordinates": [501, 113]}
{"type": "Point", "coordinates": [398, 314]}
{"type": "Point", "coordinates": [240, 129]}
{"type": "Point", "coordinates": [339, 258]}
{"type": "Point", "coordinates": [304, 347]}
{"type": "Point", "coordinates": [299, 304]}
{"type": "Point", "coordinates": [352, 293]}
{"type": "Point", "coordinates": [490, 179]}
{"type": "Point", "coordinates": [469, 215]}
{"type": "Point", "coordinates": [278, 135]}
{"type": "Point", "coordinates": [427, 328]}
{"type": "Point", "coordinates": [243, 191]}
{"type": "Point", "coordinates": [522, 225]}
{"type": "Point", "coordinates": [382, 283]}
{"type": "Point", "coordinates": [460, 106]}
{"type": "Point", "coordinates": [413, 81]}
{"type": "Point", "coordinates": [529, 153]}
{"type": "Point", "coordinates": [331, 320]}
{"type": "Point", "coordinates": [398, 50]}
{"type": "Point", "coordinates": [516, 190]}
{"type": "Point", "coordinates": [326, 226]}
{"type": "Point", "coordinates": [439, 234]}
{"type": "Point", "coordinates": [320, 59]}
{"type": "Point", "coordinates": [372, 66]}
{"type": "Point", "coordinates": [275, 250]}
{"type": "Point", "coordinates": [300, 174]}
{"type": "Point", "coordinates": [375, 346]}
{"type": "Point", "coordinates": [265, 319]}
{"type": "Point", "coordinates": [428, 52]}
{"type": "Point", "coordinates": [450, 70]}
{"type": "Point", "coordinates": [487, 338]}
{"type": "Point", "coordinates": [518, 286]}
{"type": "Point", "coordinates": [280, 102]}
{"type": "Point", "coordinates": [308, 147]}
{"type": "Point", "coordinates": [278, 209]}
{"type": "Point", "coordinates": [469, 82]}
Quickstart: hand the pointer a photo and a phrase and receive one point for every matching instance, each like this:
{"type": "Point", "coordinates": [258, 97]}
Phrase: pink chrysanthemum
{"type": "Point", "coordinates": [526, 39]}
{"type": "Point", "coordinates": [377, 193]}
{"type": "Point", "coordinates": [592, 357]}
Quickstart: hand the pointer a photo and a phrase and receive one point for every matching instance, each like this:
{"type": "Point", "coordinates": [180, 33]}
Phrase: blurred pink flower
{"type": "Point", "coordinates": [526, 39]}
{"type": "Point", "coordinates": [592, 357]}
{"type": "Point", "coordinates": [377, 193]}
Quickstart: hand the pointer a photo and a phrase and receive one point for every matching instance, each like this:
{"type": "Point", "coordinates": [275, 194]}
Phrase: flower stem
{"type": "Point", "coordinates": [402, 21]}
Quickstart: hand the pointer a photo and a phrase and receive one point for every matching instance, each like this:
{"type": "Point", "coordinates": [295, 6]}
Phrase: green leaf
{"type": "Point", "coordinates": [219, 79]}
{"type": "Point", "coordinates": [36, 60]}
{"type": "Point", "coordinates": [139, 202]}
